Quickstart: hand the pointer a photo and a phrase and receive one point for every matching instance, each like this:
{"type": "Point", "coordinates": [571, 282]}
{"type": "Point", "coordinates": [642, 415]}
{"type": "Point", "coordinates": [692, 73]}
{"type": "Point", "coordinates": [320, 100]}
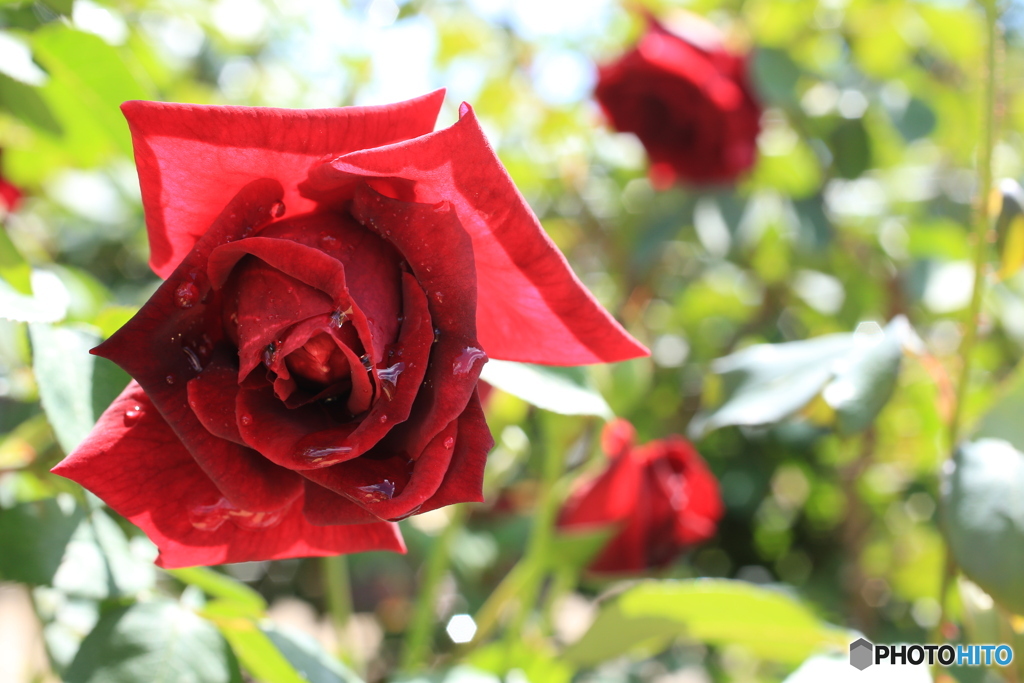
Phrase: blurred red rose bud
{"type": "Point", "coordinates": [660, 495]}
{"type": "Point", "coordinates": [688, 100]}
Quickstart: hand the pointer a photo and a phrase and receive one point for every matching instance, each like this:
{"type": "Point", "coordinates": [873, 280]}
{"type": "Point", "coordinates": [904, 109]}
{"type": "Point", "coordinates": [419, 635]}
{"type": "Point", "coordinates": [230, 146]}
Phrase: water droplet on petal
{"type": "Point", "coordinates": [186, 295]}
{"type": "Point", "coordinates": [464, 363]}
{"type": "Point", "coordinates": [257, 520]}
{"type": "Point", "coordinates": [329, 242]}
{"type": "Point", "coordinates": [389, 378]}
{"type": "Point", "coordinates": [449, 442]}
{"type": "Point", "coordinates": [339, 317]}
{"type": "Point", "coordinates": [376, 493]}
{"type": "Point", "coordinates": [268, 354]}
{"type": "Point", "coordinates": [367, 363]}
{"type": "Point", "coordinates": [170, 379]}
{"type": "Point", "coordinates": [193, 359]}
{"type": "Point", "coordinates": [439, 297]}
{"type": "Point", "coordinates": [277, 209]}
{"type": "Point", "coordinates": [210, 517]}
{"type": "Point", "coordinates": [245, 420]}
{"type": "Point", "coordinates": [383, 419]}
{"type": "Point", "coordinates": [132, 415]}
{"type": "Point", "coordinates": [320, 454]}
{"type": "Point", "coordinates": [437, 334]}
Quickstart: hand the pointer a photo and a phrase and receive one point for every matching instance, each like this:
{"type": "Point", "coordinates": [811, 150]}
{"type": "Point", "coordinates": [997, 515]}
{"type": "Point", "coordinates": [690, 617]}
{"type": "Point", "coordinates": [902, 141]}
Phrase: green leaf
{"type": "Point", "coordinates": [254, 649]}
{"type": "Point", "coordinates": [99, 563]}
{"type": "Point", "coordinates": [851, 149]}
{"type": "Point", "coordinates": [983, 517]}
{"type": "Point", "coordinates": [24, 102]}
{"type": "Point", "coordinates": [74, 386]}
{"type": "Point", "coordinates": [775, 75]}
{"type": "Point", "coordinates": [770, 624]}
{"type": "Point", "coordinates": [223, 587]}
{"type": "Point", "coordinates": [34, 536]}
{"type": "Point", "coordinates": [838, 670]}
{"type": "Point", "coordinates": [867, 377]}
{"type": "Point", "coordinates": [93, 73]}
{"type": "Point", "coordinates": [158, 642]}
{"type": "Point", "coordinates": [48, 302]}
{"type": "Point", "coordinates": [560, 390]}
{"type": "Point", "coordinates": [14, 270]}
{"type": "Point", "coordinates": [310, 660]}
{"type": "Point", "coordinates": [578, 549]}
{"type": "Point", "coordinates": [536, 662]}
{"type": "Point", "coordinates": [767, 383]}
{"type": "Point", "coordinates": [917, 120]}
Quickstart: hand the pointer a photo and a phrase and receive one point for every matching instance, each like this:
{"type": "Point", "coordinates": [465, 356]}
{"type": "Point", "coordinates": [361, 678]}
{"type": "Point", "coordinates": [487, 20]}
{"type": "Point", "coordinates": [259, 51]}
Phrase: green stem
{"type": "Point", "coordinates": [537, 548]}
{"type": "Point", "coordinates": [419, 635]}
{"type": "Point", "coordinates": [338, 593]}
{"type": "Point", "coordinates": [982, 226]}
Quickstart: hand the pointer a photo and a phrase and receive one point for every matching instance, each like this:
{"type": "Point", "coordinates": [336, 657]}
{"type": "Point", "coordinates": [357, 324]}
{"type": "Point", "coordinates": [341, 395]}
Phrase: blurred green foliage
{"type": "Point", "coordinates": [854, 220]}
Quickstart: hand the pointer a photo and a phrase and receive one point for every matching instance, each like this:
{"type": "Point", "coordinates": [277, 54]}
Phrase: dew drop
{"type": "Point", "coordinates": [186, 295]}
{"type": "Point", "coordinates": [339, 317]}
{"type": "Point", "coordinates": [245, 420]}
{"type": "Point", "coordinates": [449, 442]}
{"type": "Point", "coordinates": [277, 209]}
{"type": "Point", "coordinates": [320, 454]}
{"type": "Point", "coordinates": [257, 520]}
{"type": "Point", "coordinates": [383, 419]}
{"type": "Point", "coordinates": [437, 334]}
{"type": "Point", "coordinates": [268, 354]}
{"type": "Point", "coordinates": [389, 378]}
{"type": "Point", "coordinates": [329, 242]}
{"type": "Point", "coordinates": [439, 297]}
{"type": "Point", "coordinates": [367, 363]}
{"type": "Point", "coordinates": [170, 379]}
{"type": "Point", "coordinates": [193, 359]}
{"type": "Point", "coordinates": [464, 363]}
{"type": "Point", "coordinates": [210, 517]}
{"type": "Point", "coordinates": [376, 493]}
{"type": "Point", "coordinates": [132, 415]}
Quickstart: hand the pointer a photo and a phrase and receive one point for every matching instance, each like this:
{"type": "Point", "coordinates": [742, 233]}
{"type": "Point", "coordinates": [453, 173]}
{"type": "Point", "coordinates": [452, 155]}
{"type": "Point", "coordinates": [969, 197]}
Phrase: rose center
{"type": "Point", "coordinates": [321, 361]}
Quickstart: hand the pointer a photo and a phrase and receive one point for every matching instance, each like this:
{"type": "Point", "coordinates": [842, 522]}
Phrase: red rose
{"type": "Point", "coordinates": [688, 101]}
{"type": "Point", "coordinates": [661, 495]}
{"type": "Point", "coordinates": [335, 281]}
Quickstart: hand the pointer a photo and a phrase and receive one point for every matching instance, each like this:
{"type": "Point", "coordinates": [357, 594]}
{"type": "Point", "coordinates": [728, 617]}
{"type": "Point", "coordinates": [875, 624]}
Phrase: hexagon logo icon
{"type": "Point", "coordinates": [861, 654]}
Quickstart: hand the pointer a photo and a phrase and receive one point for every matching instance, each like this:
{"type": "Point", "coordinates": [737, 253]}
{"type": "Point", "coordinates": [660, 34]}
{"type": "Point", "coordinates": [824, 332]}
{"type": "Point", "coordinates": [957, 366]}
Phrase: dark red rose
{"type": "Point", "coordinates": [307, 374]}
{"type": "Point", "coordinates": [661, 496]}
{"type": "Point", "coordinates": [687, 99]}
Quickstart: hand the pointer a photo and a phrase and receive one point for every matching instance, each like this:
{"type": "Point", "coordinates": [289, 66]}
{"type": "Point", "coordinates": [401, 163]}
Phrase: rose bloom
{"type": "Point", "coordinates": [660, 496]}
{"type": "Point", "coordinates": [335, 281]}
{"type": "Point", "coordinates": [688, 100]}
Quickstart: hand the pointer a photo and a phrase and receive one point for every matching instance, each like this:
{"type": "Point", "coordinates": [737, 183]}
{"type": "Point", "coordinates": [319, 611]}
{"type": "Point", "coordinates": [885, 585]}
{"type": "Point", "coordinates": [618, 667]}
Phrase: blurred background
{"type": "Point", "coordinates": [857, 211]}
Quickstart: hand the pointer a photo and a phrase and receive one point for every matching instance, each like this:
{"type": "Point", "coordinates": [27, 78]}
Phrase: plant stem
{"type": "Point", "coordinates": [418, 637]}
{"type": "Point", "coordinates": [338, 593]}
{"type": "Point", "coordinates": [982, 226]}
{"type": "Point", "coordinates": [537, 548]}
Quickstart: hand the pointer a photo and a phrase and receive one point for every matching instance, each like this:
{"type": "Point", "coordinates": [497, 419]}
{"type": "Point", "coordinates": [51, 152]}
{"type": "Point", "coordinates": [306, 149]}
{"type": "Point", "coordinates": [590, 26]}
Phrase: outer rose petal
{"type": "Point", "coordinates": [135, 463]}
{"type": "Point", "coordinates": [192, 159]}
{"type": "Point", "coordinates": [162, 347]}
{"type": "Point", "coordinates": [530, 305]}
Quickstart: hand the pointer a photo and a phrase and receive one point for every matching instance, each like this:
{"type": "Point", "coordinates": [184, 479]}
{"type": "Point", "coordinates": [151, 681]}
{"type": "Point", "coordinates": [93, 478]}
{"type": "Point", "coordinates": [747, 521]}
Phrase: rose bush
{"type": "Point", "coordinates": [688, 100]}
{"type": "Point", "coordinates": [660, 497]}
{"type": "Point", "coordinates": [307, 372]}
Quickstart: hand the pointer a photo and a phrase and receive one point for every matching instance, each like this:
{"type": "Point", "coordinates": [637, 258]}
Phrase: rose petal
{"type": "Point", "coordinates": [289, 436]}
{"type": "Point", "coordinates": [265, 302]}
{"type": "Point", "coordinates": [464, 478]}
{"type": "Point", "coordinates": [444, 268]}
{"type": "Point", "coordinates": [192, 159]}
{"type": "Point", "coordinates": [326, 508]}
{"type": "Point", "coordinates": [211, 395]}
{"type": "Point", "coordinates": [372, 272]}
{"type": "Point", "coordinates": [530, 306]}
{"type": "Point", "coordinates": [162, 348]}
{"type": "Point", "coordinates": [135, 463]}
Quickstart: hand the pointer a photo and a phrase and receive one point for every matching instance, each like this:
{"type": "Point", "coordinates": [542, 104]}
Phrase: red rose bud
{"type": "Point", "coordinates": [307, 374]}
{"type": "Point", "coordinates": [687, 99]}
{"type": "Point", "coordinates": [660, 496]}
